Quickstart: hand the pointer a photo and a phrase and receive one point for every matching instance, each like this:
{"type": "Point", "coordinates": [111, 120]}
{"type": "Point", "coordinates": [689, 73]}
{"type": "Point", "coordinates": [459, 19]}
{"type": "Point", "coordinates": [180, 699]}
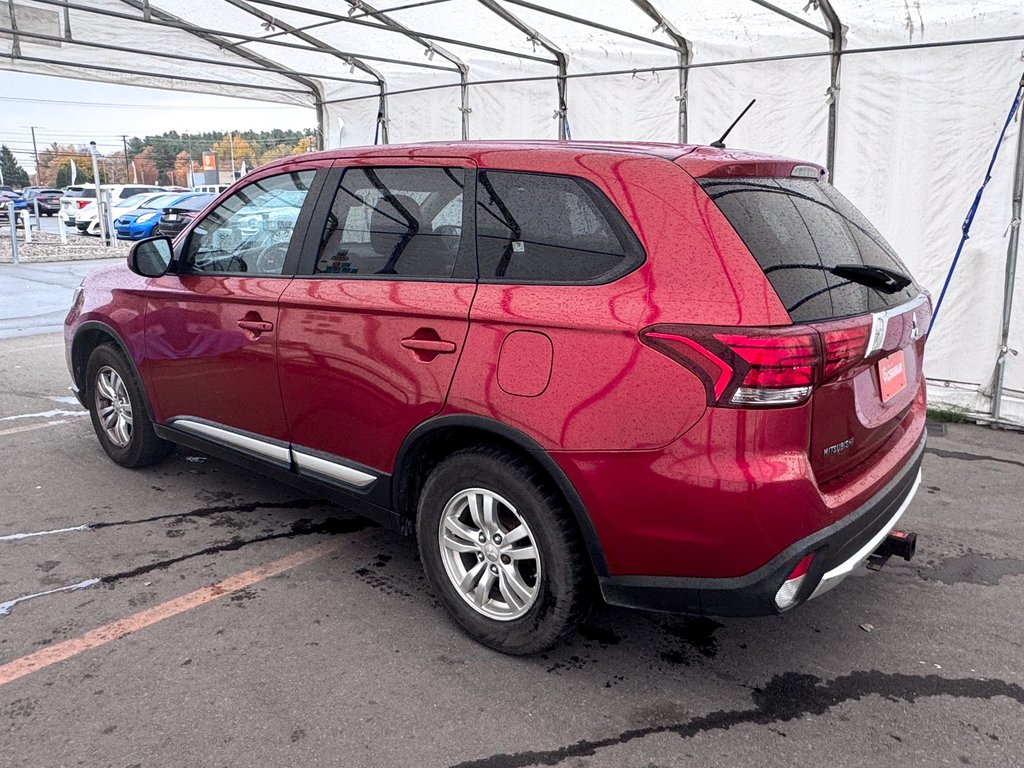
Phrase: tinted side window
{"type": "Point", "coordinates": [249, 233]}
{"type": "Point", "coordinates": [549, 229]}
{"type": "Point", "coordinates": [801, 232]}
{"type": "Point", "coordinates": [395, 221]}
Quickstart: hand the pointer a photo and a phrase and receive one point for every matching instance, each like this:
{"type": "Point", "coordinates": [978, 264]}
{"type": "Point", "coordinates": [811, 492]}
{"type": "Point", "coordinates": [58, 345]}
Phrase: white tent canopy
{"type": "Point", "coordinates": [901, 99]}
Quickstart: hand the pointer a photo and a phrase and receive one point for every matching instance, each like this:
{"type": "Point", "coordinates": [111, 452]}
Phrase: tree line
{"type": "Point", "coordinates": [164, 159]}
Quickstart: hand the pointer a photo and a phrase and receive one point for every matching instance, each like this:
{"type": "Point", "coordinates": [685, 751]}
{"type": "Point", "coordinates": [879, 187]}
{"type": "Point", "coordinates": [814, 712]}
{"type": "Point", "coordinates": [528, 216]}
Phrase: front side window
{"type": "Point", "coordinates": [538, 228]}
{"type": "Point", "coordinates": [403, 222]}
{"type": "Point", "coordinates": [249, 233]}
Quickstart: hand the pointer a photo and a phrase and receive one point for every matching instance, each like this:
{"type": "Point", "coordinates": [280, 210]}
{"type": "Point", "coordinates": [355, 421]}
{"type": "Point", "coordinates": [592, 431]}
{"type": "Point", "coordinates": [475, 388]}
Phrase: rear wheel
{"type": "Point", "coordinates": [118, 411]}
{"type": "Point", "coordinates": [502, 553]}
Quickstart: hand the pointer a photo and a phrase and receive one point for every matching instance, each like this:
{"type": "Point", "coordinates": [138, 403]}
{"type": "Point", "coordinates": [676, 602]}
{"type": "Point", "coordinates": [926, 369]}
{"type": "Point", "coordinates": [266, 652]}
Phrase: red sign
{"type": "Point", "coordinates": [209, 161]}
{"type": "Point", "coordinates": [892, 375]}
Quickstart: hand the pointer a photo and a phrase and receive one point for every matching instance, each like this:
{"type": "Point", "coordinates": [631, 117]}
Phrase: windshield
{"type": "Point", "coordinates": [194, 203]}
{"type": "Point", "coordinates": [159, 202]}
{"type": "Point", "coordinates": [135, 200]}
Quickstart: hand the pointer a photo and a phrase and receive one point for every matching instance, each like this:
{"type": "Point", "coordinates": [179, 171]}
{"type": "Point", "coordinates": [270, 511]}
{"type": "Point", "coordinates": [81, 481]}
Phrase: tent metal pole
{"type": "Point", "coordinates": [431, 49]}
{"type": "Point", "coordinates": [352, 61]}
{"type": "Point", "coordinates": [314, 86]}
{"type": "Point", "coordinates": [587, 23]}
{"type": "Point", "coordinates": [836, 34]}
{"type": "Point", "coordinates": [158, 75]}
{"type": "Point", "coordinates": [704, 64]}
{"type": "Point", "coordinates": [792, 16]}
{"type": "Point", "coordinates": [560, 59]}
{"type": "Point", "coordinates": [270, 66]}
{"type": "Point", "coordinates": [342, 19]}
{"type": "Point", "coordinates": [1011, 275]}
{"type": "Point", "coordinates": [15, 37]}
{"type": "Point", "coordinates": [228, 39]}
{"type": "Point", "coordinates": [682, 46]}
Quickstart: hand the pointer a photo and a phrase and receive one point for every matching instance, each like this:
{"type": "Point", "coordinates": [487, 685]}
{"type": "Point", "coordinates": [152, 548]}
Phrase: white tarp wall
{"type": "Point", "coordinates": [916, 127]}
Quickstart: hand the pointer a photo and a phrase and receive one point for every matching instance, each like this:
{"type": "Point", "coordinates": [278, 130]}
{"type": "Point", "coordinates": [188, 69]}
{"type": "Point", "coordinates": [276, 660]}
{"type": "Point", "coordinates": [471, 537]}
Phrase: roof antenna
{"type": "Point", "coordinates": [720, 144]}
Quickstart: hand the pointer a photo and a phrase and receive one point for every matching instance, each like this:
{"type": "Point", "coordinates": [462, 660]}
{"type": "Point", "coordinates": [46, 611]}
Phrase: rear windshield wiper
{"type": "Point", "coordinates": [879, 278]}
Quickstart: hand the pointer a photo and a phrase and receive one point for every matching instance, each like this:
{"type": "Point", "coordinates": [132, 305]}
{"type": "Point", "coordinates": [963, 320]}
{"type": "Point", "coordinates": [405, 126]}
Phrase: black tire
{"type": "Point", "coordinates": [143, 447]}
{"type": "Point", "coordinates": [564, 592]}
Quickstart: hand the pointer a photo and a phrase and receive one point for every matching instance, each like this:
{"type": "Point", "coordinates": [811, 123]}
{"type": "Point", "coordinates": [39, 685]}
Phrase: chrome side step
{"type": "Point", "coordinates": [302, 461]}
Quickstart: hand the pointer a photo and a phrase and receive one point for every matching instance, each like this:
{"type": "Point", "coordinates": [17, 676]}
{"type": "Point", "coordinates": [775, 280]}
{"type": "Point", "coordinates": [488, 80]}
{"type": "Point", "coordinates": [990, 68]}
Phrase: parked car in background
{"type": "Point", "coordinates": [687, 377]}
{"type": "Point", "coordinates": [88, 223]}
{"type": "Point", "coordinates": [48, 199]}
{"type": "Point", "coordinates": [143, 220]}
{"type": "Point", "coordinates": [215, 189]}
{"type": "Point", "coordinates": [176, 217]}
{"type": "Point", "coordinates": [78, 198]}
{"type": "Point", "coordinates": [16, 198]}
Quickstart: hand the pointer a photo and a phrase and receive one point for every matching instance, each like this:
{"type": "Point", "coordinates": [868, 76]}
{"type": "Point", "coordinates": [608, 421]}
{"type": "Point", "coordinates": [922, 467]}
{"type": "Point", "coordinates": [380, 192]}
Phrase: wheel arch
{"type": "Point", "coordinates": [88, 337]}
{"type": "Point", "coordinates": [421, 451]}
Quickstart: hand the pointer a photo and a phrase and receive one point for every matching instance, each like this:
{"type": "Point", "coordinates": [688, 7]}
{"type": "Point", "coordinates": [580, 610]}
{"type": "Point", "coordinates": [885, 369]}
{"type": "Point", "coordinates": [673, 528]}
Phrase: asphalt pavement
{"type": "Point", "coordinates": [34, 298]}
{"type": "Point", "coordinates": [320, 644]}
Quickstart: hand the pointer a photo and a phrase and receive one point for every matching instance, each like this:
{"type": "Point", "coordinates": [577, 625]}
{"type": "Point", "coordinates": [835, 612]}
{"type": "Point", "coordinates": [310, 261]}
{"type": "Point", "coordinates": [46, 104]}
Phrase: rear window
{"type": "Point", "coordinates": [80, 192]}
{"type": "Point", "coordinates": [811, 242]}
{"type": "Point", "coordinates": [539, 228]}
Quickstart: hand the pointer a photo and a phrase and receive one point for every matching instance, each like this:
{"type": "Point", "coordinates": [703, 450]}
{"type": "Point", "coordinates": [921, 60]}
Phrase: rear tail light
{"type": "Point", "coordinates": [82, 203]}
{"type": "Point", "coordinates": [787, 594]}
{"type": "Point", "coordinates": [764, 367]}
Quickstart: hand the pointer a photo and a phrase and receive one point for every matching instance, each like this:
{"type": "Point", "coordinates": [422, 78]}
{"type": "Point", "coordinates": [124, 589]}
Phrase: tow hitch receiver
{"type": "Point", "coordinates": [899, 543]}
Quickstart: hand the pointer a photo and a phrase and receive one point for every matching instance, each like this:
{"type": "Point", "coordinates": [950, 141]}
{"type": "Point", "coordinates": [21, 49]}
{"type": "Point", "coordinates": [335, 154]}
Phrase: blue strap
{"type": "Point", "coordinates": [966, 228]}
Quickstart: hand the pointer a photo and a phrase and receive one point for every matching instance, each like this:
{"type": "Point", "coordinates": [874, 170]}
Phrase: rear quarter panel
{"type": "Point", "coordinates": [608, 391]}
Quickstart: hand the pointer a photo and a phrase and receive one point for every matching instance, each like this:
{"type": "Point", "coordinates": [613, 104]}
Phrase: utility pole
{"type": "Point", "coordinates": [35, 152]}
{"type": "Point", "coordinates": [124, 142]}
{"type": "Point", "coordinates": [231, 146]}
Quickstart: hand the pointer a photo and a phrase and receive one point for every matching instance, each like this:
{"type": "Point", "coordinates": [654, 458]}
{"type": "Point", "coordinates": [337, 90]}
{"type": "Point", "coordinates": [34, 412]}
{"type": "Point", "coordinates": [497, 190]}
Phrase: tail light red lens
{"type": "Point", "coordinates": [82, 203]}
{"type": "Point", "coordinates": [763, 367]}
{"type": "Point", "coordinates": [844, 344]}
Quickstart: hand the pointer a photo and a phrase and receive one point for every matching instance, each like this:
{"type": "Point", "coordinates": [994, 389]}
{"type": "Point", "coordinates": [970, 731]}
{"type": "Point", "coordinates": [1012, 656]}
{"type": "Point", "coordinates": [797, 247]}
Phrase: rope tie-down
{"type": "Point", "coordinates": [966, 228]}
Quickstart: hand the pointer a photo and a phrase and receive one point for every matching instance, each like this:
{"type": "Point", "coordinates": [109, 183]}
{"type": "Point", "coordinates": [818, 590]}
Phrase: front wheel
{"type": "Point", "coordinates": [118, 411]}
{"type": "Point", "coordinates": [502, 552]}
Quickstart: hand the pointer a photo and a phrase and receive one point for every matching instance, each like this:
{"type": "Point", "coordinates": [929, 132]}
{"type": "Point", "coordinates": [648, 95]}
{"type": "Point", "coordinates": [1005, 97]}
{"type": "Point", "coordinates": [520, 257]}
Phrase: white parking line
{"type": "Point", "coordinates": [46, 414]}
{"type": "Point", "coordinates": [19, 536]}
{"type": "Point", "coordinates": [5, 608]}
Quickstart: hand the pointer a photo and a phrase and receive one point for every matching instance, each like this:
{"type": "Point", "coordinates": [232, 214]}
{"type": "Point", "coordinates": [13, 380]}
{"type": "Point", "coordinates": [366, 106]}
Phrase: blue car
{"type": "Point", "coordinates": [141, 223]}
{"type": "Point", "coordinates": [20, 204]}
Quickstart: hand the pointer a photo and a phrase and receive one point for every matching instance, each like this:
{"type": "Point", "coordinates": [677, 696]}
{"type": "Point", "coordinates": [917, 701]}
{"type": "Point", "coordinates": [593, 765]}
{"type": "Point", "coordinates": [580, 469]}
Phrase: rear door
{"type": "Point", "coordinates": [834, 271]}
{"type": "Point", "coordinates": [373, 326]}
{"type": "Point", "coordinates": [212, 327]}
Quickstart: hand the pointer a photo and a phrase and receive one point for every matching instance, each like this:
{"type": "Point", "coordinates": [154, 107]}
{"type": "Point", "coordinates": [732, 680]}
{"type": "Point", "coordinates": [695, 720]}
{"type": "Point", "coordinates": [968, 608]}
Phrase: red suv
{"type": "Point", "coordinates": [686, 376]}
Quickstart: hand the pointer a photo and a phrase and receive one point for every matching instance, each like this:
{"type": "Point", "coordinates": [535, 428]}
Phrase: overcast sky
{"type": "Point", "coordinates": [79, 111]}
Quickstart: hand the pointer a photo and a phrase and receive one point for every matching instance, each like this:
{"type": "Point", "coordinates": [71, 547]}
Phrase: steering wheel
{"type": "Point", "coordinates": [271, 259]}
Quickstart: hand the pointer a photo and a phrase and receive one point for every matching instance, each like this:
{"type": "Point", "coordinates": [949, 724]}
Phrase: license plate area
{"type": "Point", "coordinates": [892, 375]}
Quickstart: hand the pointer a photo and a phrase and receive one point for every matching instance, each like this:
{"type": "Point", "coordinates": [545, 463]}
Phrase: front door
{"type": "Point", "coordinates": [212, 326]}
{"type": "Point", "coordinates": [373, 324]}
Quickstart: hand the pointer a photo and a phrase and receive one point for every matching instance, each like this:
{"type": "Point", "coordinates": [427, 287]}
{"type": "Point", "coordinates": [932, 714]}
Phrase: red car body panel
{"type": "Point", "coordinates": [201, 363]}
{"type": "Point", "coordinates": [673, 487]}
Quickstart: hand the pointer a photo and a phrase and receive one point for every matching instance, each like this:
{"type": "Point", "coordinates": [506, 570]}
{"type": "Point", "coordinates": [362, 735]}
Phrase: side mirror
{"type": "Point", "coordinates": [151, 257]}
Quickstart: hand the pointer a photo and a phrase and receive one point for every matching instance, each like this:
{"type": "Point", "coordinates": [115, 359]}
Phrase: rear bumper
{"type": "Point", "coordinates": [837, 549]}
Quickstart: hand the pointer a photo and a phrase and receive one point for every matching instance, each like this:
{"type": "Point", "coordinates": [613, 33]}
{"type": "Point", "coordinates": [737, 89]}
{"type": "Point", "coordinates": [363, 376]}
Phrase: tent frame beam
{"type": "Point", "coordinates": [342, 19]}
{"type": "Point", "coordinates": [685, 55]}
{"type": "Point", "coordinates": [228, 39]}
{"type": "Point", "coordinates": [432, 48]}
{"type": "Point", "coordinates": [352, 61]}
{"type": "Point", "coordinates": [561, 60]}
{"type": "Point", "coordinates": [835, 63]}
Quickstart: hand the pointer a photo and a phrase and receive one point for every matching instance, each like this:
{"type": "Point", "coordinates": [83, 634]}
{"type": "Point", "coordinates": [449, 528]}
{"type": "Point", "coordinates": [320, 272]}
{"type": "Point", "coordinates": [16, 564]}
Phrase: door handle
{"type": "Point", "coordinates": [435, 346]}
{"type": "Point", "coordinates": [256, 326]}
